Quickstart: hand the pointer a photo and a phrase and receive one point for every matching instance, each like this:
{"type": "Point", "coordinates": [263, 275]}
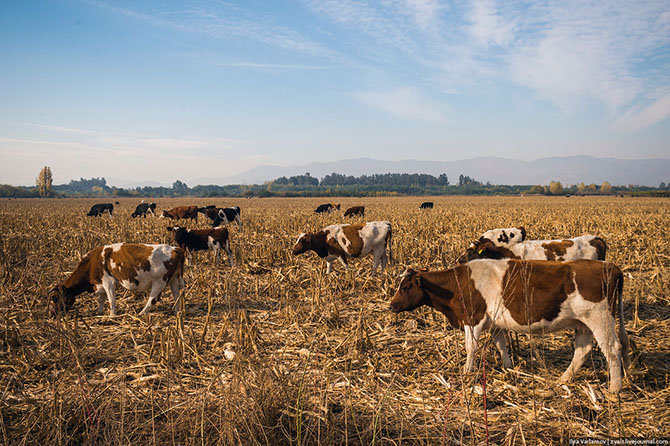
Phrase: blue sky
{"type": "Point", "coordinates": [166, 90]}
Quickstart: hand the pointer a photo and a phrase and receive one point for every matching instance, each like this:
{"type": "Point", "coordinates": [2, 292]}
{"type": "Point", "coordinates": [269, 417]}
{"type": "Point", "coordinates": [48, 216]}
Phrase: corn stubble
{"type": "Point", "coordinates": [273, 351]}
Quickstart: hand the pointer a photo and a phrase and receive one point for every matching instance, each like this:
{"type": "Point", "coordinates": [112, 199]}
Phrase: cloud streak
{"type": "Point", "coordinates": [405, 103]}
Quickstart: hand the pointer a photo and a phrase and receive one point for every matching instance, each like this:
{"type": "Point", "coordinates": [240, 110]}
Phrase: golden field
{"type": "Point", "coordinates": [318, 359]}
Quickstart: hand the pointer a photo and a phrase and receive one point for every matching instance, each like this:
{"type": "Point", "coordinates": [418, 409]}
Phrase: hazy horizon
{"type": "Point", "coordinates": [160, 91]}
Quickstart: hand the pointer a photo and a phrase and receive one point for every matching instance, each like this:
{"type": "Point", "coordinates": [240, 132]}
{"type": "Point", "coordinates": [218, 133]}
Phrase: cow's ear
{"type": "Point", "coordinates": [408, 273]}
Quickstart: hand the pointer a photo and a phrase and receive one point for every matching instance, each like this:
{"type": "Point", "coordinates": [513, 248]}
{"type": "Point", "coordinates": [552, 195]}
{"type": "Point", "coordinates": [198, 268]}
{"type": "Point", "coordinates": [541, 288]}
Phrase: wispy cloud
{"type": "Point", "coordinates": [406, 103]}
{"type": "Point", "coordinates": [580, 51]}
{"type": "Point", "coordinates": [488, 26]}
{"type": "Point", "coordinates": [61, 129]}
{"type": "Point", "coordinates": [223, 21]}
{"type": "Point", "coordinates": [637, 119]}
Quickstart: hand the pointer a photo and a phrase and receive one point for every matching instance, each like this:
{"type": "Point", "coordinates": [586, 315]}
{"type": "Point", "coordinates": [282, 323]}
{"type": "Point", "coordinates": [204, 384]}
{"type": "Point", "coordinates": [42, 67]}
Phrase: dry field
{"type": "Point", "coordinates": [318, 359]}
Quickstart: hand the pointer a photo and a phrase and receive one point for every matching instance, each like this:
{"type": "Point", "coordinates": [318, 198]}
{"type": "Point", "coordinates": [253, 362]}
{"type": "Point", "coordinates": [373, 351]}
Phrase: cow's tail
{"type": "Point", "coordinates": [623, 334]}
{"type": "Point", "coordinates": [389, 243]}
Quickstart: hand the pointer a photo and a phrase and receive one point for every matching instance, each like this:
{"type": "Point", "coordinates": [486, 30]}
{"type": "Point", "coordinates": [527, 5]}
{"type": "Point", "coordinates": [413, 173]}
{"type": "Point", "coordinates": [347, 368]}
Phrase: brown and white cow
{"type": "Point", "coordinates": [589, 247]}
{"type": "Point", "coordinates": [527, 296]}
{"type": "Point", "coordinates": [182, 212]}
{"type": "Point", "coordinates": [504, 236]}
{"type": "Point", "coordinates": [212, 239]}
{"type": "Point", "coordinates": [342, 242]}
{"type": "Point", "coordinates": [136, 267]}
{"type": "Point", "coordinates": [355, 211]}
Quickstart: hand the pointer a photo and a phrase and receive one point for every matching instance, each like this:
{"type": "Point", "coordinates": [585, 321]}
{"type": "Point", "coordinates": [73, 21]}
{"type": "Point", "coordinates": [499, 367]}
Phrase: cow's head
{"type": "Point", "coordinates": [316, 241]}
{"type": "Point", "coordinates": [410, 294]}
{"type": "Point", "coordinates": [164, 214]}
{"type": "Point", "coordinates": [483, 249]}
{"type": "Point", "coordinates": [337, 206]}
{"type": "Point", "coordinates": [60, 300]}
{"type": "Point", "coordinates": [303, 244]}
{"type": "Point", "coordinates": [176, 230]}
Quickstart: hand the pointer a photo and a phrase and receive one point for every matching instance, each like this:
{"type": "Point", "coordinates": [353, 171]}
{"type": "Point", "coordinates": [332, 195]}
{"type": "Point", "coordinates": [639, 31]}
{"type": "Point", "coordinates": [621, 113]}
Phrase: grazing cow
{"type": "Point", "coordinates": [505, 236]}
{"type": "Point", "coordinates": [224, 216]}
{"type": "Point", "coordinates": [355, 211]}
{"type": "Point", "coordinates": [210, 211]}
{"type": "Point", "coordinates": [426, 205]}
{"type": "Point", "coordinates": [326, 208]}
{"type": "Point", "coordinates": [182, 212]}
{"type": "Point", "coordinates": [587, 247]}
{"type": "Point", "coordinates": [99, 209]}
{"type": "Point", "coordinates": [143, 208]}
{"type": "Point", "coordinates": [136, 267]}
{"type": "Point", "coordinates": [344, 241]}
{"type": "Point", "coordinates": [203, 240]}
{"type": "Point", "coordinates": [527, 296]}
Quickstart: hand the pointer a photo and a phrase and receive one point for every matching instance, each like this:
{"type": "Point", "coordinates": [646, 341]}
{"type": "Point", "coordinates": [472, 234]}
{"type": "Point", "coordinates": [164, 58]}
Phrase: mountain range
{"type": "Point", "coordinates": [568, 170]}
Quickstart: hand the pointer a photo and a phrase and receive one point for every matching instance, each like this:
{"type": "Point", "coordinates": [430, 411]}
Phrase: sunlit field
{"type": "Point", "coordinates": [273, 351]}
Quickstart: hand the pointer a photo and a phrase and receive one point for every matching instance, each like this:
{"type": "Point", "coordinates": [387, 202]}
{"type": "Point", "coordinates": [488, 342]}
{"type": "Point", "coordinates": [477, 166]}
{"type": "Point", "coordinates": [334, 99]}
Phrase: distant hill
{"type": "Point", "coordinates": [568, 170]}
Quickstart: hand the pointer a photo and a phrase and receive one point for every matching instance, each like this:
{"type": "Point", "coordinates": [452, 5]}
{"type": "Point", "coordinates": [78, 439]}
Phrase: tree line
{"type": "Point", "coordinates": [334, 184]}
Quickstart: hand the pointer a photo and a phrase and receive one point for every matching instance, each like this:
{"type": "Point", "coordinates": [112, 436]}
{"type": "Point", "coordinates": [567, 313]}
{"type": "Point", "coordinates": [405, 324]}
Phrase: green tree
{"type": "Point", "coordinates": [44, 181]}
{"type": "Point", "coordinates": [556, 188]}
{"type": "Point", "coordinates": [606, 188]}
{"type": "Point", "coordinates": [179, 188]}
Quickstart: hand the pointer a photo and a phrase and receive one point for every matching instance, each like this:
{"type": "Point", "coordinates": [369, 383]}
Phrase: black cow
{"type": "Point", "coordinates": [326, 208]}
{"type": "Point", "coordinates": [99, 209]}
{"type": "Point", "coordinates": [143, 208]}
{"type": "Point", "coordinates": [426, 205]}
{"type": "Point", "coordinates": [227, 215]}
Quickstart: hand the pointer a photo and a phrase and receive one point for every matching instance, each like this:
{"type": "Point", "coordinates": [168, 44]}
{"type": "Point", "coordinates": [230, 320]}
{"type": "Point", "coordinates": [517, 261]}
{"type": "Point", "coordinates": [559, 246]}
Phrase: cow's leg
{"type": "Point", "coordinates": [239, 222]}
{"type": "Point", "coordinates": [583, 344]}
{"type": "Point", "coordinates": [226, 246]}
{"type": "Point", "coordinates": [109, 285]}
{"type": "Point", "coordinates": [376, 259]}
{"type": "Point", "coordinates": [343, 261]}
{"type": "Point", "coordinates": [101, 300]}
{"type": "Point", "coordinates": [217, 249]}
{"type": "Point", "coordinates": [157, 287]}
{"type": "Point", "coordinates": [602, 326]}
{"type": "Point", "coordinates": [176, 285]}
{"type": "Point", "coordinates": [329, 266]}
{"type": "Point", "coordinates": [501, 344]}
{"type": "Point", "coordinates": [471, 344]}
{"type": "Point", "coordinates": [385, 259]}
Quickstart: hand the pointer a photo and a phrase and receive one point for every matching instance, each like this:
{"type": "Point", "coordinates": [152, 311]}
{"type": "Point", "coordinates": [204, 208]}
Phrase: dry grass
{"type": "Point", "coordinates": [319, 359]}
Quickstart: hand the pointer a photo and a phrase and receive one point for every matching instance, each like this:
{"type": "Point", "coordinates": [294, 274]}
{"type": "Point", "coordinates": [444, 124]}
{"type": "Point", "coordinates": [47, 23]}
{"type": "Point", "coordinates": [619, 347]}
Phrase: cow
{"type": "Point", "coordinates": [101, 208]}
{"type": "Point", "coordinates": [210, 211]}
{"type": "Point", "coordinates": [589, 247]}
{"type": "Point", "coordinates": [326, 208]}
{"type": "Point", "coordinates": [227, 215]}
{"type": "Point", "coordinates": [426, 205]}
{"type": "Point", "coordinates": [355, 211]}
{"type": "Point", "coordinates": [203, 240]}
{"type": "Point", "coordinates": [344, 241]}
{"type": "Point", "coordinates": [505, 236]}
{"type": "Point", "coordinates": [143, 208]}
{"type": "Point", "coordinates": [182, 212]}
{"type": "Point", "coordinates": [529, 296]}
{"type": "Point", "coordinates": [136, 267]}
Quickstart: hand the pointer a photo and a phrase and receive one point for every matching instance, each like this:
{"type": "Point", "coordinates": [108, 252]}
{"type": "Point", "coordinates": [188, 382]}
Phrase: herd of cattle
{"type": "Point", "coordinates": [503, 281]}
